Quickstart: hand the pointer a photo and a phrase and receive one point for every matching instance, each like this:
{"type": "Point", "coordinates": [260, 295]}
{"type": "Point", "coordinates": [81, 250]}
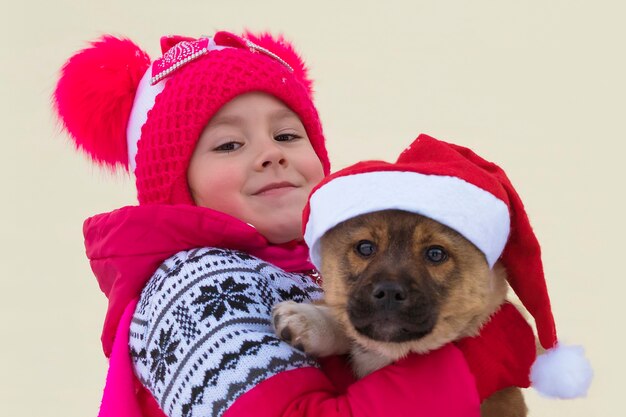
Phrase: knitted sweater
{"type": "Point", "coordinates": [201, 335]}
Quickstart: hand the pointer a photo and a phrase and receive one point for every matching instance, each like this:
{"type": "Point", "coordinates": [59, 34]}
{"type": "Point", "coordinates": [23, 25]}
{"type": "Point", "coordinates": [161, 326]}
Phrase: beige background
{"type": "Point", "coordinates": [537, 86]}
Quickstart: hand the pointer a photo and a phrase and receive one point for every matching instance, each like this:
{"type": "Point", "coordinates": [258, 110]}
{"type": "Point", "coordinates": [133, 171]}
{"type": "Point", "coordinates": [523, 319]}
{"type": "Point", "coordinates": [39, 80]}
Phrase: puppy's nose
{"type": "Point", "coordinates": [389, 294]}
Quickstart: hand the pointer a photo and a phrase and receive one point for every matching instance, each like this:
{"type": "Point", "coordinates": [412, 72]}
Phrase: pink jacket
{"type": "Point", "coordinates": [126, 246]}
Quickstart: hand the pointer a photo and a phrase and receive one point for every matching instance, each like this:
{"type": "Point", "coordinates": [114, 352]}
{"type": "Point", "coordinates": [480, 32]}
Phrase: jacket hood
{"type": "Point", "coordinates": [126, 246]}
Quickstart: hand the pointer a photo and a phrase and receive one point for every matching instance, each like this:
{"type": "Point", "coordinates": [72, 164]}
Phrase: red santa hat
{"type": "Point", "coordinates": [454, 186]}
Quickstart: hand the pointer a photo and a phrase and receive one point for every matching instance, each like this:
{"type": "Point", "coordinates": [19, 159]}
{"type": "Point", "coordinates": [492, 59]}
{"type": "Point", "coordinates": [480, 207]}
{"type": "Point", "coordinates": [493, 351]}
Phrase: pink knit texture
{"type": "Point", "coordinates": [192, 95]}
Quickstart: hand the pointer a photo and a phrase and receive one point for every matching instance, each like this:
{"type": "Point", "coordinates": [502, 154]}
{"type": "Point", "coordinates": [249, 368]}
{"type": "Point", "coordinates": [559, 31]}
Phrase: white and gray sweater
{"type": "Point", "coordinates": [201, 335]}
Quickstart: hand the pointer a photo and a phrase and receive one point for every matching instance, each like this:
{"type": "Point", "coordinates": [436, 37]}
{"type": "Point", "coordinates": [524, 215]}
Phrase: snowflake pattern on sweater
{"type": "Point", "coordinates": [201, 335]}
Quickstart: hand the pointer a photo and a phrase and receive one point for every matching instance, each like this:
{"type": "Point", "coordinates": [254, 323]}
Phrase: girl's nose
{"type": "Point", "coordinates": [271, 155]}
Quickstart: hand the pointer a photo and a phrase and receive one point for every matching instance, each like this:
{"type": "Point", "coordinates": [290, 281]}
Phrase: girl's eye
{"type": "Point", "coordinates": [436, 254]}
{"type": "Point", "coordinates": [286, 137]}
{"type": "Point", "coordinates": [228, 147]}
{"type": "Point", "coordinates": [365, 248]}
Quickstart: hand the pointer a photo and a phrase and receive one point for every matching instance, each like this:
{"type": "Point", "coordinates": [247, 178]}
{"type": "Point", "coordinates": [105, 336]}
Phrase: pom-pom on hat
{"type": "Point", "coordinates": [454, 186]}
{"type": "Point", "coordinates": [122, 109]}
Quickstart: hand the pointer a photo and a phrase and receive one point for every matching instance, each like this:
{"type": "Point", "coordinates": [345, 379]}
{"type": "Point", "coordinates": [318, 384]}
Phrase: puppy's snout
{"type": "Point", "coordinates": [389, 295]}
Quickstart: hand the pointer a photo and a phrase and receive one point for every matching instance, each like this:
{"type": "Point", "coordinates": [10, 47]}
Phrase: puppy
{"type": "Point", "coordinates": [397, 282]}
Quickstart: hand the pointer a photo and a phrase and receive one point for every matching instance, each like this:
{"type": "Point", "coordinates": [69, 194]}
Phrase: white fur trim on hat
{"type": "Point", "coordinates": [473, 212]}
{"type": "Point", "coordinates": [562, 372]}
{"type": "Point", "coordinates": [144, 101]}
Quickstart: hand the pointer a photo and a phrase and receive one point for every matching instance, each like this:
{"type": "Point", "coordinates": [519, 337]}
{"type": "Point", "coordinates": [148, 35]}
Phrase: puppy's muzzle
{"type": "Point", "coordinates": [391, 311]}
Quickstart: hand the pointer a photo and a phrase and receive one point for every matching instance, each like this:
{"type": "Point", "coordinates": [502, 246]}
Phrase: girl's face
{"type": "Point", "coordinates": [254, 161]}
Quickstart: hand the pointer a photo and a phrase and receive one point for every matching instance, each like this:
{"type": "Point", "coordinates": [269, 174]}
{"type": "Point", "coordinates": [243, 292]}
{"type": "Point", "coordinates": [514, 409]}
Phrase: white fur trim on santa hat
{"type": "Point", "coordinates": [562, 372]}
{"type": "Point", "coordinates": [473, 212]}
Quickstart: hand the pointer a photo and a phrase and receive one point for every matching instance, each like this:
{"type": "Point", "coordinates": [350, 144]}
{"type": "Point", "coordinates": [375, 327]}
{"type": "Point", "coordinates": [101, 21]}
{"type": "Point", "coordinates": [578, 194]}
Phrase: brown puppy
{"type": "Point", "coordinates": [397, 282]}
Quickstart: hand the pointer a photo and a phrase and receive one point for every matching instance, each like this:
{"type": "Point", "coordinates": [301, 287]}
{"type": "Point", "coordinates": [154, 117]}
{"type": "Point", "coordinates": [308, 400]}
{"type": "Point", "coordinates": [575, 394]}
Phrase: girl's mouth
{"type": "Point", "coordinates": [275, 188]}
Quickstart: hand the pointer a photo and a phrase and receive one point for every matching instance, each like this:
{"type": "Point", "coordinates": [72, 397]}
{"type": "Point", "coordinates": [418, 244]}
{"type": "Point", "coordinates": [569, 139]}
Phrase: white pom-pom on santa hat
{"type": "Point", "coordinates": [562, 372]}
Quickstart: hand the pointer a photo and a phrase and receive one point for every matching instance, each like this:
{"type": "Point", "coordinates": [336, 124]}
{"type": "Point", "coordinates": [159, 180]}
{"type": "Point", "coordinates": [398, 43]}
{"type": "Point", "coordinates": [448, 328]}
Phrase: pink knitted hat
{"type": "Point", "coordinates": [454, 186]}
{"type": "Point", "coordinates": [122, 109]}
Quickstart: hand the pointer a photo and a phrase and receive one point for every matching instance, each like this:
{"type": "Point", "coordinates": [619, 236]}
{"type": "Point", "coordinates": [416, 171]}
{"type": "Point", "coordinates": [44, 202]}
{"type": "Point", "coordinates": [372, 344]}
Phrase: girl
{"type": "Point", "coordinates": [225, 143]}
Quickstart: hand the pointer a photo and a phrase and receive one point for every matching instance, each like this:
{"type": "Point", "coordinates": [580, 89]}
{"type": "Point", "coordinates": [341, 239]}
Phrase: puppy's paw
{"type": "Point", "coordinates": [307, 327]}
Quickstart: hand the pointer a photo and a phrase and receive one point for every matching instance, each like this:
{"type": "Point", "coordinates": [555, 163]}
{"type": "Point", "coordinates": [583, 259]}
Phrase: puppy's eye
{"type": "Point", "coordinates": [436, 254]}
{"type": "Point", "coordinates": [365, 248]}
